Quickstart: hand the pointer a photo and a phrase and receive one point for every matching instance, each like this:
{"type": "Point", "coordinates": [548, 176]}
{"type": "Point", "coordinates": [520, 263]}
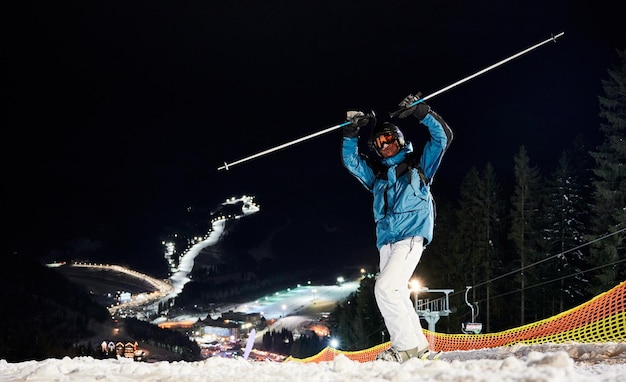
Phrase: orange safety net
{"type": "Point", "coordinates": [602, 319]}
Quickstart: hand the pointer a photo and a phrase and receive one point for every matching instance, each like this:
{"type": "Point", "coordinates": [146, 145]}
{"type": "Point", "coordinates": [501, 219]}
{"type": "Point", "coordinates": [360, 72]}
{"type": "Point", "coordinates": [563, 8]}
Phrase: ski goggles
{"type": "Point", "coordinates": [380, 140]}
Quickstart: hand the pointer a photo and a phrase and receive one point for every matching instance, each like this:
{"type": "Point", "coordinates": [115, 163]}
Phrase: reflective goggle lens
{"type": "Point", "coordinates": [380, 140]}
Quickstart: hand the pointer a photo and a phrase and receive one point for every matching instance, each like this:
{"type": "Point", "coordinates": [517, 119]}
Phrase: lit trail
{"type": "Point", "coordinates": [186, 262]}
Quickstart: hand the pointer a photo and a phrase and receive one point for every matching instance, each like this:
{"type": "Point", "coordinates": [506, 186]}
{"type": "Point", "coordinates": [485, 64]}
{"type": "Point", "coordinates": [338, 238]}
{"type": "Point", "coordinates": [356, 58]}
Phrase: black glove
{"type": "Point", "coordinates": [357, 120]}
{"type": "Point", "coordinates": [419, 111]}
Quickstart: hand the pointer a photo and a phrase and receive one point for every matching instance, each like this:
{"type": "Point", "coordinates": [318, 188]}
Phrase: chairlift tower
{"type": "Point", "coordinates": [432, 310]}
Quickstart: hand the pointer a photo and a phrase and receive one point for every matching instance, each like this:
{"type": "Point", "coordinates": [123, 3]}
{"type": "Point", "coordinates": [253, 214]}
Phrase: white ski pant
{"type": "Point", "coordinates": [397, 263]}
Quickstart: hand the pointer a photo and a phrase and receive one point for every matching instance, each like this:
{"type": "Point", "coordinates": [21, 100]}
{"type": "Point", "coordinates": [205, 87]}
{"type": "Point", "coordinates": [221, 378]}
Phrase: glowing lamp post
{"type": "Point", "coordinates": [415, 287]}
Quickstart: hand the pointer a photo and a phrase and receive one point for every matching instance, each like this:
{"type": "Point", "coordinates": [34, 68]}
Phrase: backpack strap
{"type": "Point", "coordinates": [380, 170]}
{"type": "Point", "coordinates": [410, 161]}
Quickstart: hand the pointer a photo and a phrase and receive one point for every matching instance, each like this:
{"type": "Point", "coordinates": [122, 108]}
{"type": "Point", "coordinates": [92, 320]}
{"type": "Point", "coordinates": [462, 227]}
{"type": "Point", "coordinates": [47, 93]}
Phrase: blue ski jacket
{"type": "Point", "coordinates": [403, 205]}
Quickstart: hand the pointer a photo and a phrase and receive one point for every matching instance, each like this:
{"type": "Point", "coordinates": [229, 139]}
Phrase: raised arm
{"type": "Point", "coordinates": [440, 134]}
{"type": "Point", "coordinates": [350, 156]}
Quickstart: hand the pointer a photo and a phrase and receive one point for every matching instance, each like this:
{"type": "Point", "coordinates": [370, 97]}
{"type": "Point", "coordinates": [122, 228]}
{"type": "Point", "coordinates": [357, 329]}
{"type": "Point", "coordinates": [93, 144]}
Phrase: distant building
{"type": "Point", "coordinates": [231, 326]}
{"type": "Point", "coordinates": [255, 319]}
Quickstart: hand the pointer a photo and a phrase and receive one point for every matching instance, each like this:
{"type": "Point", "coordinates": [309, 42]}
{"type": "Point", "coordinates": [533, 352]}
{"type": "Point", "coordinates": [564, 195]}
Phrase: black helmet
{"type": "Point", "coordinates": [382, 129]}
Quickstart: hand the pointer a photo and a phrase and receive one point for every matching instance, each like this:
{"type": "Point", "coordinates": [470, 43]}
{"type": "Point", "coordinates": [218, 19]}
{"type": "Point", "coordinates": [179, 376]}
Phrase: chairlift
{"type": "Point", "coordinates": [471, 327]}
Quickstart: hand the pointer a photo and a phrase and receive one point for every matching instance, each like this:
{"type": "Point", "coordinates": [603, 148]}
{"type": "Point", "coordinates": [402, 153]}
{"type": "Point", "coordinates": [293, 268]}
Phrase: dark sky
{"type": "Point", "coordinates": [119, 113]}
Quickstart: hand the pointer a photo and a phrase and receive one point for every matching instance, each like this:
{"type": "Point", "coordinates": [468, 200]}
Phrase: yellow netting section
{"type": "Point", "coordinates": [602, 319]}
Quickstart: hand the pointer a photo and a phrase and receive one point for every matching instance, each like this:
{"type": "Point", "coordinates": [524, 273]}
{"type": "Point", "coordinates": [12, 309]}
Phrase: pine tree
{"type": "Point", "coordinates": [609, 196]}
{"type": "Point", "coordinates": [470, 244]}
{"type": "Point", "coordinates": [493, 216]}
{"type": "Point", "coordinates": [357, 321]}
{"type": "Point", "coordinates": [564, 227]}
{"type": "Point", "coordinates": [524, 217]}
{"type": "Point", "coordinates": [438, 266]}
{"type": "Point", "coordinates": [470, 230]}
{"type": "Point", "coordinates": [475, 237]}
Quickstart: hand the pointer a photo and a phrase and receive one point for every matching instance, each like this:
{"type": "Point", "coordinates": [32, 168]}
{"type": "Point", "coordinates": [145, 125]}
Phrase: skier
{"type": "Point", "coordinates": [404, 212]}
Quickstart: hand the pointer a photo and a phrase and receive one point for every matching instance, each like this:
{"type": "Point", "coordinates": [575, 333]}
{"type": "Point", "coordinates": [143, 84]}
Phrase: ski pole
{"type": "Point", "coordinates": [227, 166]}
{"type": "Point", "coordinates": [553, 38]}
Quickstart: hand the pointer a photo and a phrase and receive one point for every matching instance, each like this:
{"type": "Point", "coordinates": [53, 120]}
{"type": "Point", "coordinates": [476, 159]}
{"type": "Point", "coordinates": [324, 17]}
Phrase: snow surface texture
{"type": "Point", "coordinates": [535, 363]}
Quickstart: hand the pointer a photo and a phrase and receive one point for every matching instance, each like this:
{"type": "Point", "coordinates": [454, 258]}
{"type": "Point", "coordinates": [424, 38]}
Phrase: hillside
{"type": "Point", "coordinates": [43, 313]}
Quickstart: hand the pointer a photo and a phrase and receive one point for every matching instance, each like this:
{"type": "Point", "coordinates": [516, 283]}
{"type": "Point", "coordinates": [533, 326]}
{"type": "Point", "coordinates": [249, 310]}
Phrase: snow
{"type": "Point", "coordinates": [572, 362]}
{"type": "Point", "coordinates": [541, 363]}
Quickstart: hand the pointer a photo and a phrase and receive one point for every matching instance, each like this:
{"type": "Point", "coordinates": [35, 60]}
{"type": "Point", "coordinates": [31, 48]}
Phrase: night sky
{"type": "Point", "coordinates": [119, 113]}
